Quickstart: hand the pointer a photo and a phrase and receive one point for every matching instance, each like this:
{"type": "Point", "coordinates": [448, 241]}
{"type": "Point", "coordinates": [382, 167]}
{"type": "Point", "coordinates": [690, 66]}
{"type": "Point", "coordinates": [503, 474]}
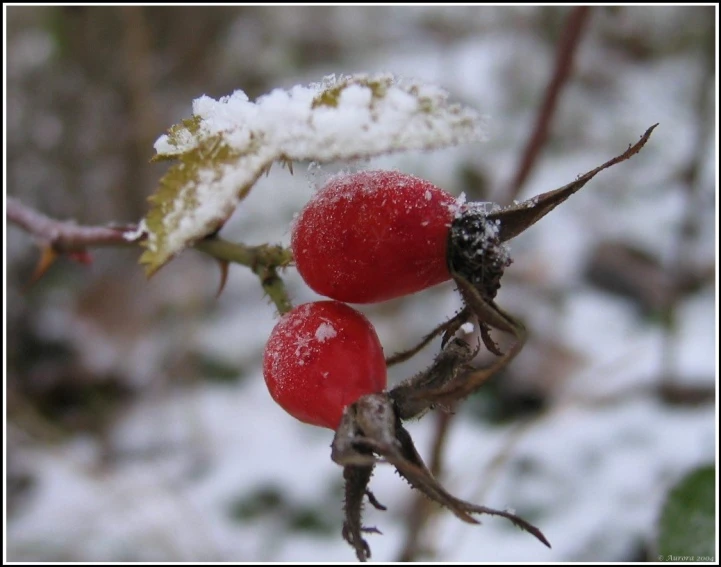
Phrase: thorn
{"type": "Point", "coordinates": [374, 502]}
{"type": "Point", "coordinates": [371, 530]}
{"type": "Point", "coordinates": [285, 162]}
{"type": "Point", "coordinates": [47, 258]}
{"type": "Point", "coordinates": [488, 341]}
{"type": "Point", "coordinates": [224, 268]}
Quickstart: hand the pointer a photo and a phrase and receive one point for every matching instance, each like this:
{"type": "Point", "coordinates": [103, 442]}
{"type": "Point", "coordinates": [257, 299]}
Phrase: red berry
{"type": "Point", "coordinates": [320, 358]}
{"type": "Point", "coordinates": [374, 235]}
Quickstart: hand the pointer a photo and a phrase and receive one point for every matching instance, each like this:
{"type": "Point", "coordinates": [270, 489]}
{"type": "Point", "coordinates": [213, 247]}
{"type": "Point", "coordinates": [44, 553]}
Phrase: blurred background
{"type": "Point", "coordinates": [139, 427]}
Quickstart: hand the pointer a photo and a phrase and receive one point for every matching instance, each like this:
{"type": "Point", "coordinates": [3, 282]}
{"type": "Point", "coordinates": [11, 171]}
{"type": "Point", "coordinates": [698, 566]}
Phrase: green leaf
{"type": "Point", "coordinates": [331, 96]}
{"type": "Point", "coordinates": [227, 144]}
{"type": "Point", "coordinates": [687, 528]}
{"type": "Point", "coordinates": [196, 197]}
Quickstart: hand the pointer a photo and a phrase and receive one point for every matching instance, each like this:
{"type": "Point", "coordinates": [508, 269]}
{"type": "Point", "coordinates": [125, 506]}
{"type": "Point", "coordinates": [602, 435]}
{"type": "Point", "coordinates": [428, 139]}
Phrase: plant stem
{"type": "Point", "coordinates": [64, 236]}
{"type": "Point", "coordinates": [264, 260]}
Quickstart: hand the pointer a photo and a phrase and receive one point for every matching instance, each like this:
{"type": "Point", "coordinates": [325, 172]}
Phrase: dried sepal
{"type": "Point", "coordinates": [356, 487]}
{"type": "Point", "coordinates": [486, 310]}
{"type": "Point", "coordinates": [370, 432]}
{"type": "Point", "coordinates": [464, 384]}
{"type": "Point", "coordinates": [377, 505]}
{"type": "Point", "coordinates": [377, 416]}
{"type": "Point", "coordinates": [410, 397]}
{"type": "Point", "coordinates": [517, 218]}
{"type": "Point", "coordinates": [447, 329]}
{"type": "Point", "coordinates": [411, 466]}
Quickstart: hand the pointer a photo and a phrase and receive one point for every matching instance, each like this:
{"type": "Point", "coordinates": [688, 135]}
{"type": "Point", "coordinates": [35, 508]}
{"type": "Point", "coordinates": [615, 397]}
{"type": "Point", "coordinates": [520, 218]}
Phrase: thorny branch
{"type": "Point", "coordinates": [264, 260]}
{"type": "Point", "coordinates": [64, 237]}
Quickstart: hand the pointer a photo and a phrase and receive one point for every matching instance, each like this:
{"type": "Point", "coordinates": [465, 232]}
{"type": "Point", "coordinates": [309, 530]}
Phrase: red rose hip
{"type": "Point", "coordinates": [374, 235]}
{"type": "Point", "coordinates": [320, 358]}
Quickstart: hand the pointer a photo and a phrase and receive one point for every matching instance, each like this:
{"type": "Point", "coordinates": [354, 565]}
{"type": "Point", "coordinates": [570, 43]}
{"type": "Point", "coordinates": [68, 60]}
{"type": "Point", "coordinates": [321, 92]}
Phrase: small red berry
{"type": "Point", "coordinates": [374, 235]}
{"type": "Point", "coordinates": [320, 358]}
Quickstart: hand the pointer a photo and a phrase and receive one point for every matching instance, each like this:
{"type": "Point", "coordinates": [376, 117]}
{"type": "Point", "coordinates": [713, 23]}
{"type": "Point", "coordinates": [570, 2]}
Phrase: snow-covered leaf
{"type": "Point", "coordinates": [229, 143]}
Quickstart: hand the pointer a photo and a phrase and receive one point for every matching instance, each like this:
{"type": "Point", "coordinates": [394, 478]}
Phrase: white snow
{"type": "Point", "coordinates": [324, 332]}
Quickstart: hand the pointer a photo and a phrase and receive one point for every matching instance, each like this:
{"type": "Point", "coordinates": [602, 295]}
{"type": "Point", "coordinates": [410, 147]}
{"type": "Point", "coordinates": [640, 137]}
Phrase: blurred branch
{"type": "Point", "coordinates": [140, 76]}
{"type": "Point", "coordinates": [680, 268]}
{"type": "Point", "coordinates": [67, 236]}
{"type": "Point", "coordinates": [143, 109]}
{"type": "Point", "coordinates": [567, 47]}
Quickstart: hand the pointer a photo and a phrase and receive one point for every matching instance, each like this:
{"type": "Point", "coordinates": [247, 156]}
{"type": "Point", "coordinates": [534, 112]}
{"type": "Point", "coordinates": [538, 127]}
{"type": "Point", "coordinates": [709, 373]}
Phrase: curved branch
{"type": "Point", "coordinates": [67, 236]}
{"type": "Point", "coordinates": [264, 260]}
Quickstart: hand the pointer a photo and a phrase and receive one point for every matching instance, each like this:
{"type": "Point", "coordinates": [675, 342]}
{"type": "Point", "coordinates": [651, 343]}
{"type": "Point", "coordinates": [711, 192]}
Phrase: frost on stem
{"type": "Point", "coordinates": [228, 143]}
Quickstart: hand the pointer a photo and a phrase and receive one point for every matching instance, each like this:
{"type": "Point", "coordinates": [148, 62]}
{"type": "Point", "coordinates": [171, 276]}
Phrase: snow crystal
{"type": "Point", "coordinates": [467, 327]}
{"type": "Point", "coordinates": [324, 332]}
{"type": "Point", "coordinates": [137, 234]}
{"type": "Point", "coordinates": [459, 205]}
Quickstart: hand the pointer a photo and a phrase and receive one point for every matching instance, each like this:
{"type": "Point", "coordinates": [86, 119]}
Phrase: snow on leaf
{"type": "Point", "coordinates": [196, 196]}
{"type": "Point", "coordinates": [180, 135]}
{"type": "Point", "coordinates": [227, 144]}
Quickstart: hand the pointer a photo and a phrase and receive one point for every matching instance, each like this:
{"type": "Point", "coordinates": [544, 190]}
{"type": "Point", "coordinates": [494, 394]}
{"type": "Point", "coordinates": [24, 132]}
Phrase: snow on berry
{"type": "Point", "coordinates": [320, 358]}
{"type": "Point", "coordinates": [373, 235]}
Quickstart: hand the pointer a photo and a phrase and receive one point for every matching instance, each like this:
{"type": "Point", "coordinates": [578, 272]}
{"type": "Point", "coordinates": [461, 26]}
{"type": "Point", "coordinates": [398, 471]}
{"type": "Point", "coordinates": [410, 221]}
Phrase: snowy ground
{"type": "Point", "coordinates": [591, 470]}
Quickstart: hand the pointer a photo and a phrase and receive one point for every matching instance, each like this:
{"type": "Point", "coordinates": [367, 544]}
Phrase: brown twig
{"type": "Point", "coordinates": [64, 236]}
{"type": "Point", "coordinates": [144, 115]}
{"type": "Point", "coordinates": [567, 47]}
